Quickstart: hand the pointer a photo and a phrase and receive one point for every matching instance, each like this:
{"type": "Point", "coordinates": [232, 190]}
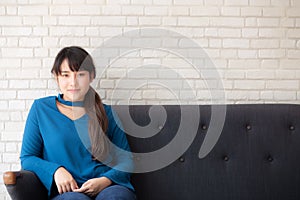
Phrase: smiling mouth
{"type": "Point", "coordinates": [74, 90]}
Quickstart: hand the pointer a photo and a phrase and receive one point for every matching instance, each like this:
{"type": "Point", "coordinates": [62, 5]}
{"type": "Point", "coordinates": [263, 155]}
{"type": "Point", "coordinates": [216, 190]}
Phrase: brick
{"type": "Point", "coordinates": [213, 2]}
{"type": "Point", "coordinates": [247, 54]}
{"type": "Point", "coordinates": [273, 12]}
{"type": "Point", "coordinates": [251, 11]}
{"type": "Point", "coordinates": [236, 2]}
{"type": "Point", "coordinates": [109, 20]}
{"type": "Point", "coordinates": [234, 74]}
{"type": "Point", "coordinates": [268, 22]}
{"type": "Point", "coordinates": [30, 42]}
{"type": "Point", "coordinates": [260, 74]}
{"type": "Point", "coordinates": [16, 105]}
{"type": "Point", "coordinates": [259, 2]}
{"type": "Point", "coordinates": [156, 10]}
{"type": "Point", "coordinates": [10, 157]}
{"type": "Point", "coordinates": [69, 1]}
{"type": "Point", "coordinates": [40, 31]}
{"type": "Point", "coordinates": [3, 106]}
{"type": "Point", "coordinates": [10, 62]}
{"type": "Point", "coordinates": [227, 21]}
{"type": "Point", "coordinates": [50, 20]}
{"type": "Point", "coordinates": [40, 52]}
{"type": "Point", "coordinates": [32, 20]}
{"type": "Point", "coordinates": [293, 12]}
{"type": "Point", "coordinates": [264, 43]}
{"type": "Point", "coordinates": [38, 84]}
{"type": "Point", "coordinates": [3, 83]}
{"type": "Point", "coordinates": [193, 21]}
{"type": "Point", "coordinates": [10, 147]}
{"type": "Point", "coordinates": [162, 2]}
{"type": "Point", "coordinates": [251, 22]}
{"type": "Point", "coordinates": [178, 11]}
{"type": "Point", "coordinates": [230, 11]}
{"type": "Point", "coordinates": [85, 10]}
{"type": "Point", "coordinates": [33, 10]}
{"type": "Point", "coordinates": [17, 52]}
{"type": "Point", "coordinates": [280, 3]}
{"type": "Point", "coordinates": [204, 11]}
{"type": "Point", "coordinates": [250, 32]}
{"type": "Point", "coordinates": [132, 10]}
{"type": "Point", "coordinates": [229, 32]}
{"type": "Point", "coordinates": [10, 20]}
{"type": "Point", "coordinates": [74, 20]}
{"type": "Point", "coordinates": [293, 54]}
{"type": "Point", "coordinates": [293, 33]}
{"type": "Point", "coordinates": [22, 74]}
{"type": "Point", "coordinates": [243, 63]}
{"type": "Point", "coordinates": [283, 84]}
{"type": "Point", "coordinates": [8, 94]}
{"type": "Point", "coordinates": [285, 95]}
{"type": "Point", "coordinates": [16, 31]}
{"type": "Point", "coordinates": [16, 116]}
{"type": "Point", "coordinates": [59, 10]}
{"type": "Point", "coordinates": [17, 84]}
{"type": "Point", "coordinates": [249, 84]}
{"type": "Point", "coordinates": [111, 10]}
{"type": "Point", "coordinates": [169, 21]}
{"type": "Point", "coordinates": [110, 31]}
{"type": "Point", "coordinates": [11, 10]}
{"type": "Point", "coordinates": [69, 41]}
{"type": "Point", "coordinates": [271, 53]}
{"type": "Point", "coordinates": [30, 94]}
{"type": "Point", "coordinates": [269, 63]}
{"type": "Point", "coordinates": [288, 22]}
{"type": "Point", "coordinates": [186, 3]}
{"type": "Point", "coordinates": [271, 33]}
{"type": "Point", "coordinates": [236, 43]}
{"type": "Point", "coordinates": [14, 126]}
{"type": "Point", "coordinates": [149, 21]}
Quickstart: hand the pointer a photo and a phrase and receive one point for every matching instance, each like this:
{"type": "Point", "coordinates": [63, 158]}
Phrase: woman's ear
{"type": "Point", "coordinates": [92, 76]}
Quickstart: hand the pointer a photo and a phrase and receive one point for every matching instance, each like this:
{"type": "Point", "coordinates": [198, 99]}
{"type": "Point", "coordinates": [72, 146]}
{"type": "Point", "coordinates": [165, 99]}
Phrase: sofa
{"type": "Point", "coordinates": [230, 152]}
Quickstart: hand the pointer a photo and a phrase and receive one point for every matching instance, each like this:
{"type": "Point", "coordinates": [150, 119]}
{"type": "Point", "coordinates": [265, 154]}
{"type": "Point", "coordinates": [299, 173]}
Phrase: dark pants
{"type": "Point", "coordinates": [114, 192]}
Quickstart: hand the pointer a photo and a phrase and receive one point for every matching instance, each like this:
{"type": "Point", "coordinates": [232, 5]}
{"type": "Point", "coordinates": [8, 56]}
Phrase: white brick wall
{"type": "Point", "coordinates": [254, 45]}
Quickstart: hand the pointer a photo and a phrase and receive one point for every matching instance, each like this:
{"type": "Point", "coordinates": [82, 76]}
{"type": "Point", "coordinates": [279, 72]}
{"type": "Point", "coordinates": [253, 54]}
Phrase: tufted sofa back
{"type": "Point", "coordinates": [256, 157]}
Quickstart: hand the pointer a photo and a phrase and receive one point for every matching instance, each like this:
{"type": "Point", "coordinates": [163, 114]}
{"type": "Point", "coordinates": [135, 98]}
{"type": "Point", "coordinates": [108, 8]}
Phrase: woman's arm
{"type": "Point", "coordinates": [32, 151]}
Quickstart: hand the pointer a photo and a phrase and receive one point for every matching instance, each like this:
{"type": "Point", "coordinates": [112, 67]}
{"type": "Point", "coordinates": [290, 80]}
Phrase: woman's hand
{"type": "Point", "coordinates": [64, 181]}
{"type": "Point", "coordinates": [93, 186]}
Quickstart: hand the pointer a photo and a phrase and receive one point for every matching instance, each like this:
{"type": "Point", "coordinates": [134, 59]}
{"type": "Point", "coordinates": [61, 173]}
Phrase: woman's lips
{"type": "Point", "coordinates": [74, 90]}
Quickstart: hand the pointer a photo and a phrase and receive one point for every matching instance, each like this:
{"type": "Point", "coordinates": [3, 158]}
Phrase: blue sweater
{"type": "Point", "coordinates": [52, 140]}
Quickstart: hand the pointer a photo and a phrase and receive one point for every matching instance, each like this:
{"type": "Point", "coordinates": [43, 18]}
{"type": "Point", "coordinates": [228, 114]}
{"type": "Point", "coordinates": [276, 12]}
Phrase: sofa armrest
{"type": "Point", "coordinates": [24, 185]}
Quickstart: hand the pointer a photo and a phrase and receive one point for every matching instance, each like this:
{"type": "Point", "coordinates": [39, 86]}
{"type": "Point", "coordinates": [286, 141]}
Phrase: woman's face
{"type": "Point", "coordinates": [73, 85]}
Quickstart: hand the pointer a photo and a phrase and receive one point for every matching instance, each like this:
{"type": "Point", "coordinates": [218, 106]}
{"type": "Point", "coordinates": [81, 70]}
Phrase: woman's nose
{"type": "Point", "coordinates": [73, 79]}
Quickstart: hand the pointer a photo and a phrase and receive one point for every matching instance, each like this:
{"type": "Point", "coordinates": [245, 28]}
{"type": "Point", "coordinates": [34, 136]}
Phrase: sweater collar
{"type": "Point", "coordinates": [69, 103]}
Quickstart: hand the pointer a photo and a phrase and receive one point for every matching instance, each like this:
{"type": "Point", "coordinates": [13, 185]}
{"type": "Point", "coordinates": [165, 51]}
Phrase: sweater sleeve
{"type": "Point", "coordinates": [123, 164]}
{"type": "Point", "coordinates": [32, 151]}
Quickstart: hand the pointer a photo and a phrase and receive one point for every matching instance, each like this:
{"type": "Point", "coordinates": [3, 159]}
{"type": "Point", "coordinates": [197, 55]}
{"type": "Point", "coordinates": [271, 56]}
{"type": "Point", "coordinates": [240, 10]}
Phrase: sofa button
{"type": "Point", "coordinates": [248, 127]}
{"type": "Point", "coordinates": [204, 127]}
{"type": "Point", "coordinates": [225, 158]}
{"type": "Point", "coordinates": [292, 128]}
{"type": "Point", "coordinates": [270, 159]}
{"type": "Point", "coordinates": [160, 127]}
{"type": "Point", "coordinates": [181, 159]}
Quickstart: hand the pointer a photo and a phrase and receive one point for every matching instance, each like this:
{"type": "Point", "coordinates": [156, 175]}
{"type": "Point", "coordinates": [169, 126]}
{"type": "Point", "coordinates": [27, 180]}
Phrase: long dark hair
{"type": "Point", "coordinates": [79, 59]}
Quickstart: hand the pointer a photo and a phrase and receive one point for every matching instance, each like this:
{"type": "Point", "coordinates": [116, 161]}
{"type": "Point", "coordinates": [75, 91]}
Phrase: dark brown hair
{"type": "Point", "coordinates": [79, 59]}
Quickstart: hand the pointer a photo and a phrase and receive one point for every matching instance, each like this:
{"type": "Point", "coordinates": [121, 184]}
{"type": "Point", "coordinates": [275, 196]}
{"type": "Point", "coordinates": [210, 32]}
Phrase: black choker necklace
{"type": "Point", "coordinates": [69, 103]}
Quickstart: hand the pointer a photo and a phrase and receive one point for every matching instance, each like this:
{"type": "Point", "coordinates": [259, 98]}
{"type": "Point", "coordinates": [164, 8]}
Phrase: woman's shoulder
{"type": "Point", "coordinates": [49, 100]}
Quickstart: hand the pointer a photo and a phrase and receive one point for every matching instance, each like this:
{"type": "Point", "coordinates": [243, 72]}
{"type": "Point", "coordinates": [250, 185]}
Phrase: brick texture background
{"type": "Point", "coordinates": [253, 44]}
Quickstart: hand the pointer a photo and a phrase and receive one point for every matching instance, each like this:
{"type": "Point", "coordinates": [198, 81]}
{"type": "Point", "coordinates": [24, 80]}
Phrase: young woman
{"type": "Point", "coordinates": [68, 139]}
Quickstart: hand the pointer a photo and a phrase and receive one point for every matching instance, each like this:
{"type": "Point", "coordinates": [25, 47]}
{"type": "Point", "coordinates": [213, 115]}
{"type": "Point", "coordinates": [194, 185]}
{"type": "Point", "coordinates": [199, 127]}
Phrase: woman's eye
{"type": "Point", "coordinates": [64, 75]}
{"type": "Point", "coordinates": [81, 74]}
